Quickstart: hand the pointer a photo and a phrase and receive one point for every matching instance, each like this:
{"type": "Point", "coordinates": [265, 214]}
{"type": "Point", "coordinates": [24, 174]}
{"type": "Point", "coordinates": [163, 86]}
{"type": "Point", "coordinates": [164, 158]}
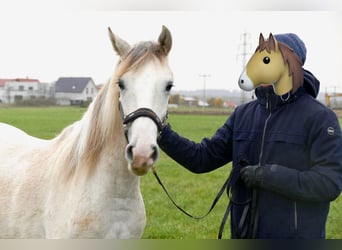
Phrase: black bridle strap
{"type": "Point", "coordinates": [224, 220]}
{"type": "Point", "coordinates": [254, 215]}
{"type": "Point", "coordinates": [142, 112]}
{"type": "Point", "coordinates": [218, 196]}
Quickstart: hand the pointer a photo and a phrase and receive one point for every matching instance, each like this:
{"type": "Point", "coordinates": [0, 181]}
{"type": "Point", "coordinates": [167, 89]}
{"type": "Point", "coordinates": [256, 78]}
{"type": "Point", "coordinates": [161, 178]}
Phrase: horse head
{"type": "Point", "coordinates": [273, 63]}
{"type": "Point", "coordinates": [144, 79]}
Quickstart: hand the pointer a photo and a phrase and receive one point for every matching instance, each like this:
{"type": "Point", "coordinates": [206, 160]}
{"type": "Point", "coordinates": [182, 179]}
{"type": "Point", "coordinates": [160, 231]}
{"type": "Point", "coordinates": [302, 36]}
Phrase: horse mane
{"type": "Point", "coordinates": [290, 58]}
{"type": "Point", "coordinates": [80, 145]}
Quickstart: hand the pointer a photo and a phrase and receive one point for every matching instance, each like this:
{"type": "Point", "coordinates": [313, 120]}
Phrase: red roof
{"type": "Point", "coordinates": [3, 81]}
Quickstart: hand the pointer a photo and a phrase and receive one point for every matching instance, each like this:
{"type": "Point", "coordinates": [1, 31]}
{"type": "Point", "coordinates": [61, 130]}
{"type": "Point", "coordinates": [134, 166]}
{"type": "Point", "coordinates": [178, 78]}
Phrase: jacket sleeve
{"type": "Point", "coordinates": [201, 157]}
{"type": "Point", "coordinates": [323, 180]}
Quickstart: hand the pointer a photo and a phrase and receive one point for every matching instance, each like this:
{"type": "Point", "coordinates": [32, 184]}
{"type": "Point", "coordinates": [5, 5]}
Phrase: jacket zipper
{"type": "Point", "coordinates": [254, 206]}
{"type": "Point", "coordinates": [268, 107]}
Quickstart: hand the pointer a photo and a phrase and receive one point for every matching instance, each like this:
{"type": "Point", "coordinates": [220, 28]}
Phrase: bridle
{"type": "Point", "coordinates": [142, 112]}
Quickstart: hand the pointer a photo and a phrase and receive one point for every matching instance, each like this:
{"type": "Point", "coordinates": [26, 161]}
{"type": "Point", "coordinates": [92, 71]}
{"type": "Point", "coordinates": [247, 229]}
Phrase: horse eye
{"type": "Point", "coordinates": [121, 84]}
{"type": "Point", "coordinates": [266, 60]}
{"type": "Point", "coordinates": [169, 86]}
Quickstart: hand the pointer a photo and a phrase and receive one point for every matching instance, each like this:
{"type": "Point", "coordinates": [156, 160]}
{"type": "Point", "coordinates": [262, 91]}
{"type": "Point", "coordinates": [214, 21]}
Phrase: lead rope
{"type": "Point", "coordinates": [217, 198]}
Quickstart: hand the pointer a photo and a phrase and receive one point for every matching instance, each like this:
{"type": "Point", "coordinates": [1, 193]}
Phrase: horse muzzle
{"type": "Point", "coordinates": [141, 154]}
{"type": "Point", "coordinates": [141, 158]}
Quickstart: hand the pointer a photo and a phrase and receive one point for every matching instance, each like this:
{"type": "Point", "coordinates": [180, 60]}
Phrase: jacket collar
{"type": "Point", "coordinates": [266, 96]}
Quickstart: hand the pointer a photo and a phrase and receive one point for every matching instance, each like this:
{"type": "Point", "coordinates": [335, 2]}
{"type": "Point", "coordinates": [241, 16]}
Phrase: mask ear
{"type": "Point", "coordinates": [273, 42]}
{"type": "Point", "coordinates": [165, 40]}
{"type": "Point", "coordinates": [120, 46]}
{"type": "Point", "coordinates": [261, 39]}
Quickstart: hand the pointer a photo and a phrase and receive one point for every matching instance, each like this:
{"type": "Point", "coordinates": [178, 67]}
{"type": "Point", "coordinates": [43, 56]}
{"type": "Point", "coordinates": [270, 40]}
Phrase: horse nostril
{"type": "Point", "coordinates": [129, 153]}
{"type": "Point", "coordinates": [155, 153]}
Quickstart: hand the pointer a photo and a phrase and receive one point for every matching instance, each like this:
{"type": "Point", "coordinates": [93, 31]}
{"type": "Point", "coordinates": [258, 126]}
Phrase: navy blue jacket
{"type": "Point", "coordinates": [297, 140]}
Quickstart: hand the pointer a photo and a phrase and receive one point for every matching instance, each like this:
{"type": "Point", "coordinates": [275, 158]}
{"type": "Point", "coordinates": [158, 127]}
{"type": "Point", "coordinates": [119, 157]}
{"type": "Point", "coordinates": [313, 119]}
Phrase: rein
{"type": "Point", "coordinates": [217, 198]}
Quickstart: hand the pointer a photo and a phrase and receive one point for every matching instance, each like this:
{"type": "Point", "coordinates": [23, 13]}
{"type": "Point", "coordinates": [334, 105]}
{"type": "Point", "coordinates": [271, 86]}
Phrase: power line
{"type": "Point", "coordinates": [205, 76]}
{"type": "Point", "coordinates": [245, 37]}
{"type": "Point", "coordinates": [246, 47]}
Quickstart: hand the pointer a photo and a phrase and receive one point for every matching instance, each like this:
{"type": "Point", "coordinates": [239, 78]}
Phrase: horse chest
{"type": "Point", "coordinates": [89, 212]}
{"type": "Point", "coordinates": [119, 218]}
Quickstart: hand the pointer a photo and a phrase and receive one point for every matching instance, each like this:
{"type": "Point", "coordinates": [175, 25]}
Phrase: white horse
{"type": "Point", "coordinates": [85, 182]}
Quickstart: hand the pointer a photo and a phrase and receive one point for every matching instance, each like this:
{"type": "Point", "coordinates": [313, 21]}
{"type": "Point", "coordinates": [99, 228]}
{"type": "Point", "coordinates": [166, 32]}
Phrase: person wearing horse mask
{"type": "Point", "coordinates": [285, 148]}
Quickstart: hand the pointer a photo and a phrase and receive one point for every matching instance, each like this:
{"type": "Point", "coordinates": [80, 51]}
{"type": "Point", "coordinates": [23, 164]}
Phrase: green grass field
{"type": "Point", "coordinates": [194, 193]}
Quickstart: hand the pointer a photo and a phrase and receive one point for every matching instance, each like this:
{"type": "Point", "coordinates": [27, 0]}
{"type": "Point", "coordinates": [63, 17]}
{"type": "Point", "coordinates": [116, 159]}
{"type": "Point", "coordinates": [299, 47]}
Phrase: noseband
{"type": "Point", "coordinates": [142, 112]}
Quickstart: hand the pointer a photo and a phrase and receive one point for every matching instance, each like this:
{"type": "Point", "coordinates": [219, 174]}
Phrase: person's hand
{"type": "Point", "coordinates": [252, 175]}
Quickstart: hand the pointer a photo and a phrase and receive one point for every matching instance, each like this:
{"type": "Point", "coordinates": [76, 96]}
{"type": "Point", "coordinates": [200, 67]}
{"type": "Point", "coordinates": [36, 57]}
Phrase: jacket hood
{"type": "Point", "coordinates": [311, 83]}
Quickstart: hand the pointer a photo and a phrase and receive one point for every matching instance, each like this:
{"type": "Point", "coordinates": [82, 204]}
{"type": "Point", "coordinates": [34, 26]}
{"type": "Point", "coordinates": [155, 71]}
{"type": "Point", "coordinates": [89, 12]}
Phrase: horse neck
{"type": "Point", "coordinates": [99, 134]}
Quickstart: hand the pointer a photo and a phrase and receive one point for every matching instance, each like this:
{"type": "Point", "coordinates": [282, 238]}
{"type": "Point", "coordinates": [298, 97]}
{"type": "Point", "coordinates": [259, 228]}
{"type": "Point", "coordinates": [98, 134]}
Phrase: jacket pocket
{"type": "Point", "coordinates": [246, 147]}
{"type": "Point", "coordinates": [293, 139]}
{"type": "Point", "coordinates": [286, 149]}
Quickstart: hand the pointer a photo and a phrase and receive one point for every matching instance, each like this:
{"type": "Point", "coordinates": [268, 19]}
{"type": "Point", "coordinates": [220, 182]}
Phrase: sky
{"type": "Point", "coordinates": [47, 39]}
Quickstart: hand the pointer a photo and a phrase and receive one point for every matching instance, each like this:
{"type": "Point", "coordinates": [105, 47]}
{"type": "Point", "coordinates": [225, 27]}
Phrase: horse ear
{"type": "Point", "coordinates": [273, 42]}
{"type": "Point", "coordinates": [261, 39]}
{"type": "Point", "coordinates": [120, 46]}
{"type": "Point", "coordinates": [165, 40]}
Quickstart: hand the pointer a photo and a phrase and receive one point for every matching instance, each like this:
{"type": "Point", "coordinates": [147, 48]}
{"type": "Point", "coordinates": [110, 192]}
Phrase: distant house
{"type": "Point", "coordinates": [229, 104]}
{"type": "Point", "coordinates": [75, 90]}
{"type": "Point", "coordinates": [189, 101]}
{"type": "Point", "coordinates": [3, 93]}
{"type": "Point", "coordinates": [20, 89]}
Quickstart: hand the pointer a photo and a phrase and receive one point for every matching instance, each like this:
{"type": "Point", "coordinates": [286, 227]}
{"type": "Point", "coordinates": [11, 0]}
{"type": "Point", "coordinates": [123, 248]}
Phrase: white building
{"type": "Point", "coordinates": [75, 90]}
{"type": "Point", "coordinates": [20, 89]}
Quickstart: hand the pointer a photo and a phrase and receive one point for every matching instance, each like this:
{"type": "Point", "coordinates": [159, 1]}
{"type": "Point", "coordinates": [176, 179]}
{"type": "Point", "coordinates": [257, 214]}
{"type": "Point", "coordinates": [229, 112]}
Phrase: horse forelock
{"type": "Point", "coordinates": [290, 58]}
{"type": "Point", "coordinates": [139, 55]}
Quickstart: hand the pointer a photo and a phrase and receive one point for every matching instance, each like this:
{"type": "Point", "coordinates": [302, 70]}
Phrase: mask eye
{"type": "Point", "coordinates": [169, 86]}
{"type": "Point", "coordinates": [121, 84]}
{"type": "Point", "coordinates": [266, 60]}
